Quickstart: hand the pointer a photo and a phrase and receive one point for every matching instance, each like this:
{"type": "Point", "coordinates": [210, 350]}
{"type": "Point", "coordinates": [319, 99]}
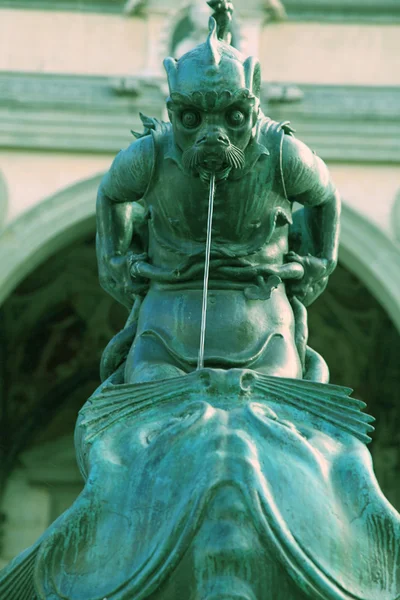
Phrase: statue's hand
{"type": "Point", "coordinates": [117, 279]}
{"type": "Point", "coordinates": [315, 278]}
{"type": "Point", "coordinates": [314, 267]}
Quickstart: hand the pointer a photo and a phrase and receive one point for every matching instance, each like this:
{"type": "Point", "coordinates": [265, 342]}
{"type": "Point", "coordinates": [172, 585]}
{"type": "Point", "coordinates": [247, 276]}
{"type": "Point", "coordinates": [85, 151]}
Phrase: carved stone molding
{"type": "Point", "coordinates": [361, 11]}
{"type": "Point", "coordinates": [74, 113]}
{"type": "Point", "coordinates": [3, 200]}
{"type": "Point", "coordinates": [343, 123]}
{"type": "Point", "coordinates": [377, 11]}
{"type": "Point", "coordinates": [270, 9]}
{"type": "Point", "coordinates": [374, 11]}
{"type": "Point", "coordinates": [368, 253]}
{"type": "Point", "coordinates": [96, 114]}
{"type": "Point", "coordinates": [396, 217]}
{"type": "Point", "coordinates": [99, 6]}
{"type": "Point", "coordinates": [43, 230]}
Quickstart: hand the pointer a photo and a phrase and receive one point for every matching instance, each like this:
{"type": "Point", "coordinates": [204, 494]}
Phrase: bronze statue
{"type": "Point", "coordinates": [219, 463]}
{"type": "Point", "coordinates": [152, 225]}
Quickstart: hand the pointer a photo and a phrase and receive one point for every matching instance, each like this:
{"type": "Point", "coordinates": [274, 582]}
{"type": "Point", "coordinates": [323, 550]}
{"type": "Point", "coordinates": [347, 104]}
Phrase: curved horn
{"type": "Point", "coordinates": [212, 42]}
{"type": "Point", "coordinates": [252, 72]}
{"type": "Point", "coordinates": [171, 68]}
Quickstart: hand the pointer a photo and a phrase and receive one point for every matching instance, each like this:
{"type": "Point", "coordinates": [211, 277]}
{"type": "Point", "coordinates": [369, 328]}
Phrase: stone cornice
{"type": "Point", "coordinates": [3, 199]}
{"type": "Point", "coordinates": [396, 217]}
{"type": "Point", "coordinates": [74, 113]}
{"type": "Point", "coordinates": [375, 11]}
{"type": "Point", "coordinates": [355, 11]}
{"type": "Point", "coordinates": [99, 6]}
{"type": "Point", "coordinates": [342, 123]}
{"type": "Point", "coordinates": [96, 114]}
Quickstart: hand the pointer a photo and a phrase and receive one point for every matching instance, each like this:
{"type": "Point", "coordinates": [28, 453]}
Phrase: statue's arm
{"type": "Point", "coordinates": [120, 219]}
{"type": "Point", "coordinates": [308, 182]}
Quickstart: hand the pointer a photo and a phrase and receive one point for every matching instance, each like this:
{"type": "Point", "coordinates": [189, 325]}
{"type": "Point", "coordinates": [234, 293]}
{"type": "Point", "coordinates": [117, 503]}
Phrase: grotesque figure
{"type": "Point", "coordinates": [248, 479]}
{"type": "Point", "coordinates": [152, 225]}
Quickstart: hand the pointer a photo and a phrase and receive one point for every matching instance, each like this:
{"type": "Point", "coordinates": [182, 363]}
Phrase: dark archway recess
{"type": "Point", "coordinates": [55, 325]}
{"type": "Point", "coordinates": [362, 347]}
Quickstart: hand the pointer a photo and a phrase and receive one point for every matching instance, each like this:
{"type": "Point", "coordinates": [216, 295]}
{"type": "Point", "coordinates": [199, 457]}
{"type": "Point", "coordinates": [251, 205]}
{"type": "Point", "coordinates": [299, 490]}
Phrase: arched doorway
{"type": "Point", "coordinates": [55, 325]}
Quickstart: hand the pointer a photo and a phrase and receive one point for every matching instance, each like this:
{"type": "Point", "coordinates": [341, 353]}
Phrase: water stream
{"type": "Point", "coordinates": [200, 362]}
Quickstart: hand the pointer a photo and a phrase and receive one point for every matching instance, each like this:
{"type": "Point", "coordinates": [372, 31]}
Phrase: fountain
{"type": "Point", "coordinates": [219, 462]}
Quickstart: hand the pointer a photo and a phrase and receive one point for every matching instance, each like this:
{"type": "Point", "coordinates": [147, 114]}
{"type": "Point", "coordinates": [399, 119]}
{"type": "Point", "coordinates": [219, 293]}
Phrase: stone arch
{"type": "Point", "coordinates": [368, 253]}
{"type": "Point", "coordinates": [69, 214]}
{"type": "Point", "coordinates": [43, 230]}
{"type": "Point", "coordinates": [396, 217]}
{"type": "Point", "coordinates": [3, 199]}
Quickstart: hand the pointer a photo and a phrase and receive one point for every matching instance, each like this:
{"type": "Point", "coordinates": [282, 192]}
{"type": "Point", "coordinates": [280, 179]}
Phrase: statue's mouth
{"type": "Point", "coordinates": [214, 161]}
{"type": "Point", "coordinates": [205, 159]}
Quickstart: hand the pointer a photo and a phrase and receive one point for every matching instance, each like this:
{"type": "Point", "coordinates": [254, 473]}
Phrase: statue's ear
{"type": "Point", "coordinates": [252, 71]}
{"type": "Point", "coordinates": [171, 68]}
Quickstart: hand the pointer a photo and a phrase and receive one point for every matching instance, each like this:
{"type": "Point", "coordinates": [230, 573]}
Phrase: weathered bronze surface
{"type": "Point", "coordinates": [247, 478]}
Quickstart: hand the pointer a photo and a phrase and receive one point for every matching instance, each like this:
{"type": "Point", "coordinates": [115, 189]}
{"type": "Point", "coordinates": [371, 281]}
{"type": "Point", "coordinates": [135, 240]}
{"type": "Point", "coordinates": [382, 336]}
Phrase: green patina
{"type": "Point", "coordinates": [249, 477]}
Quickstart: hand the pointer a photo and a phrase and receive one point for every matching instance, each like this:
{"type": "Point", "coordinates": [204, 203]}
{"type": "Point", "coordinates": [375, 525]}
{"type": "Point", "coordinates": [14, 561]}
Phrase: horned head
{"type": "Point", "coordinates": [213, 66]}
{"type": "Point", "coordinates": [213, 103]}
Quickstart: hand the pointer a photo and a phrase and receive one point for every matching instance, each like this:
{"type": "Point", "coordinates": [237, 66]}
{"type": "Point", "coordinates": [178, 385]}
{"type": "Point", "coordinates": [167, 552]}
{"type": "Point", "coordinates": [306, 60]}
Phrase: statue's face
{"type": "Point", "coordinates": [214, 139]}
{"type": "Point", "coordinates": [213, 104]}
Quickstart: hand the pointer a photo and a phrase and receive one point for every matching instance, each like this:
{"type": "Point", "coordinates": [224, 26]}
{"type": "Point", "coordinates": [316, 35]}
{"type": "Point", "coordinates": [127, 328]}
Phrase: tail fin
{"type": "Point", "coordinates": [16, 580]}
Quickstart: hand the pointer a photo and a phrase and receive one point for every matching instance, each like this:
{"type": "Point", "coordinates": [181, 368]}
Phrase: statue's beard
{"type": "Point", "coordinates": [204, 161]}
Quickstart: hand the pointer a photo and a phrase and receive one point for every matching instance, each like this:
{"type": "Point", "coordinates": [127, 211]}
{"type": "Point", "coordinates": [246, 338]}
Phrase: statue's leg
{"type": "Point", "coordinates": [313, 364]}
{"type": "Point", "coordinates": [148, 360]}
{"type": "Point", "coordinates": [316, 368]}
{"type": "Point", "coordinates": [280, 357]}
{"type": "Point", "coordinates": [301, 327]}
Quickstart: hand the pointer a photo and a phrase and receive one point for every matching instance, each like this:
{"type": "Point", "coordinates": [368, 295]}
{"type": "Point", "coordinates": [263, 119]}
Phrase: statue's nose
{"type": "Point", "coordinates": [213, 138]}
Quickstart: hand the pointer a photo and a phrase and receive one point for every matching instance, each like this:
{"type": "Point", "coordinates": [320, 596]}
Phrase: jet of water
{"type": "Point", "coordinates": [200, 362]}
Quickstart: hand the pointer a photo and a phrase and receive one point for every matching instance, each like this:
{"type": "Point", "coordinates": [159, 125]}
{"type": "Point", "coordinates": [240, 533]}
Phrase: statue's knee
{"type": "Point", "coordinates": [281, 358]}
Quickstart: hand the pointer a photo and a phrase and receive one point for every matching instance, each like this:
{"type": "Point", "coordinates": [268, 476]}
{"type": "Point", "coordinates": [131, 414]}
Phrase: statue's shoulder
{"type": "Point", "coordinates": [133, 168]}
{"type": "Point", "coordinates": [270, 132]}
{"type": "Point", "coordinates": [154, 128]}
{"type": "Point", "coordinates": [157, 137]}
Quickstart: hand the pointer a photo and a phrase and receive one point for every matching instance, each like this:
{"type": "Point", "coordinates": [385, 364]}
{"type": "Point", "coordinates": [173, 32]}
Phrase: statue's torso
{"type": "Point", "coordinates": [250, 229]}
{"type": "Point", "coordinates": [250, 217]}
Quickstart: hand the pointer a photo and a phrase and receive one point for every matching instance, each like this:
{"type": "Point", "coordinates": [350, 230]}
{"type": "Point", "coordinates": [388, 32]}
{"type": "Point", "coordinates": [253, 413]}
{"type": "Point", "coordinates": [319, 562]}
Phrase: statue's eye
{"type": "Point", "coordinates": [235, 117]}
{"type": "Point", "coordinates": [190, 119]}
